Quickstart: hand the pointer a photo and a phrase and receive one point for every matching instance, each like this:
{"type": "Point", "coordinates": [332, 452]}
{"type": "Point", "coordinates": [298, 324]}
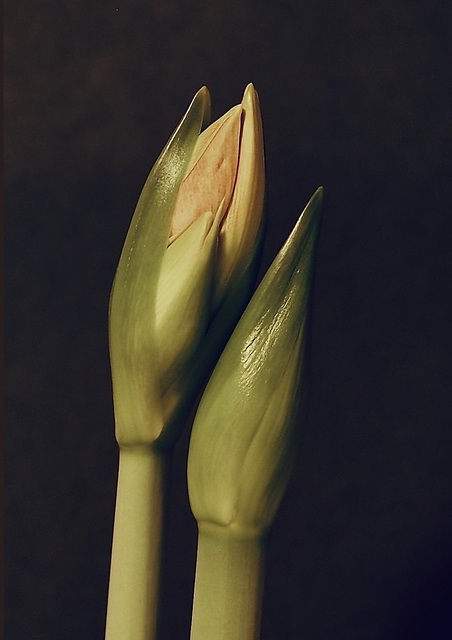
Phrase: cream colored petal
{"type": "Point", "coordinates": [211, 176]}
{"type": "Point", "coordinates": [241, 224]}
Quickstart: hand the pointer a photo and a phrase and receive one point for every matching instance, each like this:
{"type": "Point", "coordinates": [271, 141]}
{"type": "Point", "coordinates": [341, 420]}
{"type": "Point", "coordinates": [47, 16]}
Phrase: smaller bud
{"type": "Point", "coordinates": [246, 429]}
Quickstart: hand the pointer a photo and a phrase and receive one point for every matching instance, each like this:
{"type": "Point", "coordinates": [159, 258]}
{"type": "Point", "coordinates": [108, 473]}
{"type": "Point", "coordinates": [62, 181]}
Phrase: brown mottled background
{"type": "Point", "coordinates": [355, 96]}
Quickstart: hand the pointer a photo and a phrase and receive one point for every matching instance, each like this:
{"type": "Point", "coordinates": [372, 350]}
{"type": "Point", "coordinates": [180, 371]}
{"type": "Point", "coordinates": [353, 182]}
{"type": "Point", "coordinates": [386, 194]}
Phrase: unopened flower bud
{"type": "Point", "coordinates": [192, 245]}
{"type": "Point", "coordinates": [247, 426]}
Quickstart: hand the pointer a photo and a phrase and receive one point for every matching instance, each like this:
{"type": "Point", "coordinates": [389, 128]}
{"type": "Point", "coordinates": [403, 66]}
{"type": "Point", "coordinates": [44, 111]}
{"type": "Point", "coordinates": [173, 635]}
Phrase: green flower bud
{"type": "Point", "coordinates": [247, 426]}
{"type": "Point", "coordinates": [167, 313]}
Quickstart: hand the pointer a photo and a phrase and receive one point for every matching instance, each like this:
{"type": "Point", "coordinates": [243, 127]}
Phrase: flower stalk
{"type": "Point", "coordinates": [137, 550]}
{"type": "Point", "coordinates": [229, 582]}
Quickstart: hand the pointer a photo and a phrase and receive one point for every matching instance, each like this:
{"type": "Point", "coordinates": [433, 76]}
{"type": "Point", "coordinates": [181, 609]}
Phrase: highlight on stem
{"type": "Point", "coordinates": [245, 436]}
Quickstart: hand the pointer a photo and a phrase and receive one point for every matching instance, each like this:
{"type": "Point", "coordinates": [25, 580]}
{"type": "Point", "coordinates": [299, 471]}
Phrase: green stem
{"type": "Point", "coordinates": [137, 545]}
{"type": "Point", "coordinates": [227, 601]}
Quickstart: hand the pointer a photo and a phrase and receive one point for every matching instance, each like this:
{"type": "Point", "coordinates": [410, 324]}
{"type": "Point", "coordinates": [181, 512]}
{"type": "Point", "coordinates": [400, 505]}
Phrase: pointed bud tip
{"type": "Point", "coordinates": [203, 96]}
{"type": "Point", "coordinates": [203, 93]}
{"type": "Point", "coordinates": [314, 204]}
{"type": "Point", "coordinates": [307, 223]}
{"type": "Point", "coordinates": [250, 97]}
{"type": "Point", "coordinates": [319, 193]}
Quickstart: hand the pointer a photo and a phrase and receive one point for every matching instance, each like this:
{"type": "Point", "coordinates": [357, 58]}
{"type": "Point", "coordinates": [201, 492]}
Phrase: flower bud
{"type": "Point", "coordinates": [247, 425]}
{"type": "Point", "coordinates": [198, 220]}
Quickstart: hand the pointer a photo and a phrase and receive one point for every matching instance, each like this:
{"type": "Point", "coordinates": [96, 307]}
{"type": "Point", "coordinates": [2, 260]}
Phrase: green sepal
{"type": "Point", "coordinates": [242, 442]}
{"type": "Point", "coordinates": [133, 348]}
{"type": "Point", "coordinates": [183, 300]}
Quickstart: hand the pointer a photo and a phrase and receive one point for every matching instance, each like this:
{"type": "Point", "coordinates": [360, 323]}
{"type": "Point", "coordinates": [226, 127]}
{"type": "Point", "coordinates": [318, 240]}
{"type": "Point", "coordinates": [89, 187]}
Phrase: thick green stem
{"type": "Point", "coordinates": [227, 601]}
{"type": "Point", "coordinates": [137, 545]}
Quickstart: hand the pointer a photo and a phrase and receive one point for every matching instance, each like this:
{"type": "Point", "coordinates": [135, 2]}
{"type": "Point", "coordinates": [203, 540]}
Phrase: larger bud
{"type": "Point", "coordinates": [187, 268]}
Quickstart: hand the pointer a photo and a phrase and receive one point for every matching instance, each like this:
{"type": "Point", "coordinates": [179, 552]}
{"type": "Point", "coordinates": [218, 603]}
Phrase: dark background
{"type": "Point", "coordinates": [355, 96]}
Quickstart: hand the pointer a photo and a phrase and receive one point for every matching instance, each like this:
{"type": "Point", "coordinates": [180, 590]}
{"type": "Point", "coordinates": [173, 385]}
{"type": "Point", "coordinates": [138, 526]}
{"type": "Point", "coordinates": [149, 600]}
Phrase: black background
{"type": "Point", "coordinates": [355, 96]}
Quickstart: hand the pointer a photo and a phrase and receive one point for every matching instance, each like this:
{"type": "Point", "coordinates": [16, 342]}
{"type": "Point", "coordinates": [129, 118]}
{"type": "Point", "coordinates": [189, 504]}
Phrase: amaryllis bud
{"type": "Point", "coordinates": [187, 268]}
{"type": "Point", "coordinates": [248, 424]}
